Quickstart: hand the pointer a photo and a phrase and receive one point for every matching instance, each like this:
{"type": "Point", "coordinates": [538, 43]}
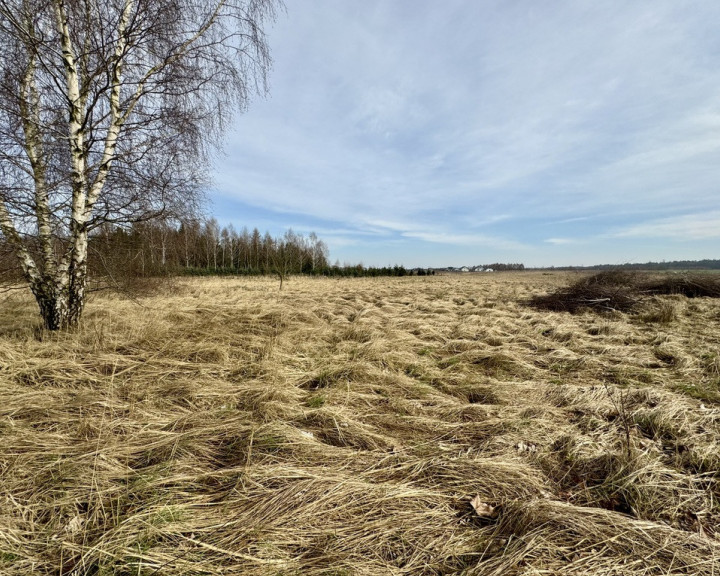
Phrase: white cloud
{"type": "Point", "coordinates": [469, 240]}
{"type": "Point", "coordinates": [688, 227]}
{"type": "Point", "coordinates": [564, 241]}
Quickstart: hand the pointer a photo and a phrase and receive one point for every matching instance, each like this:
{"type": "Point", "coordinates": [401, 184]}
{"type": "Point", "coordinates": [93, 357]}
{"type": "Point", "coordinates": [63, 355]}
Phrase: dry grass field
{"type": "Point", "coordinates": [342, 427]}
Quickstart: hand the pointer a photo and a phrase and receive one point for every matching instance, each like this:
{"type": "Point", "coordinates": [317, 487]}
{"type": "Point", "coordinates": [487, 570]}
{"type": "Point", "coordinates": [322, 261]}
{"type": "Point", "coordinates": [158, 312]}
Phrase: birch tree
{"type": "Point", "coordinates": [108, 111]}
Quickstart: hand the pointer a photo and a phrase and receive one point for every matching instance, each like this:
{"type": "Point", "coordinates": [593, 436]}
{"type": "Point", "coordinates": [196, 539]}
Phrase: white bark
{"type": "Point", "coordinates": [73, 268]}
{"type": "Point", "coordinates": [73, 265]}
{"type": "Point", "coordinates": [116, 117]}
{"type": "Point", "coordinates": [30, 110]}
{"type": "Point", "coordinates": [26, 261]}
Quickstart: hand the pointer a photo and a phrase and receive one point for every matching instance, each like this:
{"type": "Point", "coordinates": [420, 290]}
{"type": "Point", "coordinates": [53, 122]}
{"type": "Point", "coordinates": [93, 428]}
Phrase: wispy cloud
{"type": "Point", "coordinates": [468, 240]}
{"type": "Point", "coordinates": [565, 241]}
{"type": "Point", "coordinates": [688, 227]}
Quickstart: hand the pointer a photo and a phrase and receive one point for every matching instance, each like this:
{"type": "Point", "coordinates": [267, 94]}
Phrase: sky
{"type": "Point", "coordinates": [463, 132]}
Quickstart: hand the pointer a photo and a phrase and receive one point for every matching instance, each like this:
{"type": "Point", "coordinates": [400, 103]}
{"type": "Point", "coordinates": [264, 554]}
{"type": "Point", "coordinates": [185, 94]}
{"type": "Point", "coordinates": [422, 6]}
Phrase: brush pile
{"type": "Point", "coordinates": [614, 290]}
{"type": "Point", "coordinates": [690, 285]}
{"type": "Point", "coordinates": [624, 291]}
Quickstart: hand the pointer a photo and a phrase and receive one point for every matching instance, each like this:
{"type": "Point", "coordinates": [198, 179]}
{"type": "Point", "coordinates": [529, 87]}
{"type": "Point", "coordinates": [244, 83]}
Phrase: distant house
{"type": "Point", "coordinates": [489, 270]}
{"type": "Point", "coordinates": [464, 269]}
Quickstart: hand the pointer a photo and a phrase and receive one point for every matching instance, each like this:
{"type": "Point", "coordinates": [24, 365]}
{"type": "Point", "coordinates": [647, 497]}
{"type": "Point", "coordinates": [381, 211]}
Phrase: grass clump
{"type": "Point", "coordinates": [317, 401]}
{"type": "Point", "coordinates": [659, 311]}
{"type": "Point", "coordinates": [705, 391]}
{"type": "Point", "coordinates": [612, 543]}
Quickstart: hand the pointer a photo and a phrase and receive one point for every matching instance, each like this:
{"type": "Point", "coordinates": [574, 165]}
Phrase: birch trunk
{"type": "Point", "coordinates": [60, 291]}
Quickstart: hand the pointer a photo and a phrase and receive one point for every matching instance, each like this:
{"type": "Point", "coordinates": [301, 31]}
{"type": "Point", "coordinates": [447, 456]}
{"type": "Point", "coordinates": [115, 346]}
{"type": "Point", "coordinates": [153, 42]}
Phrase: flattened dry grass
{"type": "Point", "coordinates": [342, 426]}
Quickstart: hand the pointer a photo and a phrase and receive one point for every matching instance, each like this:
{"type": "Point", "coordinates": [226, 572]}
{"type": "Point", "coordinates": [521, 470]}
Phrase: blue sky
{"type": "Point", "coordinates": [462, 132]}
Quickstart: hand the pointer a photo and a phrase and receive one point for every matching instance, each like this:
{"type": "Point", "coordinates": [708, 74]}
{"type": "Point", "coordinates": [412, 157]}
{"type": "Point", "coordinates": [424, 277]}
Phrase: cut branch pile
{"type": "Point", "coordinates": [690, 285]}
{"type": "Point", "coordinates": [624, 291]}
{"type": "Point", "coordinates": [615, 290]}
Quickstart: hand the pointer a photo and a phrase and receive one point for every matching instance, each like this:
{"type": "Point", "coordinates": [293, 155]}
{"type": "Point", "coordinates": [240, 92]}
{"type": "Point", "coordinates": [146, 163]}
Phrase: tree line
{"type": "Point", "coordinates": [203, 247]}
{"type": "Point", "coordinates": [706, 264]}
{"type": "Point", "coordinates": [119, 256]}
{"type": "Point", "coordinates": [360, 271]}
{"type": "Point", "coordinates": [503, 267]}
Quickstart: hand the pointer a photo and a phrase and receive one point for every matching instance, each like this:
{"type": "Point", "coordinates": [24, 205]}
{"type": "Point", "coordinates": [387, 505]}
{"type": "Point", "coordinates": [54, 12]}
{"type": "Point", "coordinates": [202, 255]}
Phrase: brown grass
{"type": "Point", "coordinates": [342, 426]}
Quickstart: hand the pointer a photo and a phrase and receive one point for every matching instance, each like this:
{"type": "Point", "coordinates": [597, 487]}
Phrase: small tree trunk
{"type": "Point", "coordinates": [52, 304]}
{"type": "Point", "coordinates": [60, 310]}
{"type": "Point", "coordinates": [76, 293]}
{"type": "Point", "coordinates": [61, 297]}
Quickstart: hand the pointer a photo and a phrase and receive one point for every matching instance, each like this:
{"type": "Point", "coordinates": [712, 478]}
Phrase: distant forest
{"type": "Point", "coordinates": [672, 265]}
